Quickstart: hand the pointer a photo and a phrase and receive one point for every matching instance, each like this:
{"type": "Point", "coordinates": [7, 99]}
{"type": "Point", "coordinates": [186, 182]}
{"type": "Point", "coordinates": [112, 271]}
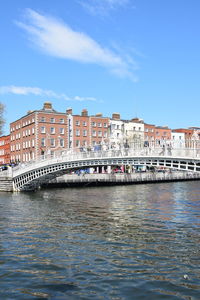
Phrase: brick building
{"type": "Point", "coordinates": [87, 131]}
{"type": "Point", "coordinates": [42, 132]}
{"type": "Point", "coordinates": [4, 149]}
{"type": "Point", "coordinates": [37, 133]}
{"type": "Point", "coordinates": [192, 135]}
{"type": "Point", "coordinates": [157, 134]}
{"type": "Point", "coordinates": [162, 134]}
{"type": "Point", "coordinates": [149, 132]}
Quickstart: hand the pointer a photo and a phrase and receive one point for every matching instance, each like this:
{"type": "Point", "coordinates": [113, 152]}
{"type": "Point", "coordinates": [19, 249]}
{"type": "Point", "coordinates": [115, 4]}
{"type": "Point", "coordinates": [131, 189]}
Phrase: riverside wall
{"type": "Point", "coordinates": [117, 179]}
{"type": "Point", "coordinates": [6, 182]}
{"type": "Point", "coordinates": [70, 180]}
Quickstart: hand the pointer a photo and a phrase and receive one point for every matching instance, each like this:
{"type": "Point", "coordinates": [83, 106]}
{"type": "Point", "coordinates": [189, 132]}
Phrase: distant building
{"type": "Point", "coordinates": [149, 133]}
{"type": "Point", "coordinates": [116, 130]}
{"type": "Point", "coordinates": [4, 149]}
{"type": "Point", "coordinates": [134, 132]}
{"type": "Point", "coordinates": [162, 134]}
{"type": "Point", "coordinates": [158, 135]}
{"type": "Point", "coordinates": [38, 133]}
{"type": "Point", "coordinates": [45, 131]}
{"type": "Point", "coordinates": [178, 139]}
{"type": "Point", "coordinates": [87, 131]}
{"type": "Point", "coordinates": [126, 132]}
{"type": "Point", "coordinates": [192, 136]}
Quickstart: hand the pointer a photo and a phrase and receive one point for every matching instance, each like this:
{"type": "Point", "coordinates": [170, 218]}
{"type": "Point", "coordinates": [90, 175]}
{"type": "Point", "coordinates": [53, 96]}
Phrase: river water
{"type": "Point", "coordinates": [121, 242]}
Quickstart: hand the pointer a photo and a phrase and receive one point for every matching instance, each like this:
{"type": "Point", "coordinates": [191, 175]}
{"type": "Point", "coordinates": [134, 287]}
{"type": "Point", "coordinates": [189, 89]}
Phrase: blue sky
{"type": "Point", "coordinates": [137, 57]}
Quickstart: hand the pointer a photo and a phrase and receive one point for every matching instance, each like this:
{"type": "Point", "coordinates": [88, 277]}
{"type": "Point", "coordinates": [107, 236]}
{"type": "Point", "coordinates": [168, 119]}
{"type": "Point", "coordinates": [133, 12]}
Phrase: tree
{"type": "Point", "coordinates": [2, 121]}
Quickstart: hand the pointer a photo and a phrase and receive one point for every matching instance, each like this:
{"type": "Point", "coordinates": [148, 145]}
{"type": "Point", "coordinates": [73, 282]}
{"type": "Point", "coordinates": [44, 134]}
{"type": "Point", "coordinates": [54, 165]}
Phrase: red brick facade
{"type": "Point", "coordinates": [4, 149]}
{"type": "Point", "coordinates": [38, 133]}
{"type": "Point", "coordinates": [157, 134]}
{"type": "Point", "coordinates": [45, 131]}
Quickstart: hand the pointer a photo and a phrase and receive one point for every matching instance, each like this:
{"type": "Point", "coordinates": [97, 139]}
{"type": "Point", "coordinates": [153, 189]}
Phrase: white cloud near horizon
{"type": "Point", "coordinates": [55, 38]}
{"type": "Point", "coordinates": [25, 91]}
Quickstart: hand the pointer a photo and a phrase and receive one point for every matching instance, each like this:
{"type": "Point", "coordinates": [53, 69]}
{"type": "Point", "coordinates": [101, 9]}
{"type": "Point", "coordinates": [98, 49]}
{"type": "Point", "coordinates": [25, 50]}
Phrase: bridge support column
{"type": "Point", "coordinates": [109, 169]}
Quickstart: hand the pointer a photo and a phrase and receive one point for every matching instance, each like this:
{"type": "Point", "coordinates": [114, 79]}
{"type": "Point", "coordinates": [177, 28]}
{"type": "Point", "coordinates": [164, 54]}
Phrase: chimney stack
{"type": "Point", "coordinates": [69, 111]}
{"type": "Point", "coordinates": [84, 113]}
{"type": "Point", "coordinates": [47, 106]}
{"type": "Point", "coordinates": [116, 116]}
{"type": "Point", "coordinates": [99, 115]}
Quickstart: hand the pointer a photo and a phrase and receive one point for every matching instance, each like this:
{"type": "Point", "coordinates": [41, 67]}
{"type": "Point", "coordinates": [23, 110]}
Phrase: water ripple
{"type": "Point", "coordinates": [124, 242]}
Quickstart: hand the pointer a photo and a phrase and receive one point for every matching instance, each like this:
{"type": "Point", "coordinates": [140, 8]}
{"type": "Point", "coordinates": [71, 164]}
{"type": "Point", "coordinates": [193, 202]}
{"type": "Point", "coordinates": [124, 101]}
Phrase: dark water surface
{"type": "Point", "coordinates": [123, 242]}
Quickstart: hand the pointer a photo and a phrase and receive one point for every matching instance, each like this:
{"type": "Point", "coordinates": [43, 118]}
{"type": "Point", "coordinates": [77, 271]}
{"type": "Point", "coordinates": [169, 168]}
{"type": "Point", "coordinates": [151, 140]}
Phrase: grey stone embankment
{"type": "Point", "coordinates": [70, 180]}
{"type": "Point", "coordinates": [117, 179]}
{"type": "Point", "coordinates": [6, 183]}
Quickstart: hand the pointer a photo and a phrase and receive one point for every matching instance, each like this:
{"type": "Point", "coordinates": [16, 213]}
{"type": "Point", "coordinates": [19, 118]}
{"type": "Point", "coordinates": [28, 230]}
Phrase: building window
{"type": "Point", "coordinates": [61, 130]}
{"type": "Point", "coordinates": [84, 123]}
{"type": "Point", "coordinates": [93, 133]}
{"type": "Point", "coordinates": [52, 130]}
{"type": "Point", "coordinates": [43, 129]}
{"type": "Point", "coordinates": [61, 142]}
{"type": "Point", "coordinates": [61, 121]}
{"type": "Point", "coordinates": [77, 143]}
{"type": "Point", "coordinates": [93, 124]}
{"type": "Point", "coordinates": [77, 123]}
{"type": "Point", "coordinates": [99, 125]}
{"type": "Point", "coordinates": [77, 132]}
{"type": "Point", "coordinates": [99, 133]}
{"type": "Point", "coordinates": [105, 125]}
{"type": "Point", "coordinates": [42, 119]}
{"type": "Point", "coordinates": [105, 134]}
{"type": "Point", "coordinates": [52, 120]}
{"type": "Point", "coordinates": [43, 143]}
{"type": "Point", "coordinates": [84, 143]}
{"type": "Point", "coordinates": [52, 141]}
{"type": "Point", "coordinates": [84, 132]}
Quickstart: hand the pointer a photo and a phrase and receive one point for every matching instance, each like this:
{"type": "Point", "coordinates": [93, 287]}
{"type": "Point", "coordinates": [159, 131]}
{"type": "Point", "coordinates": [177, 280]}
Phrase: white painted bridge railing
{"type": "Point", "coordinates": [75, 155]}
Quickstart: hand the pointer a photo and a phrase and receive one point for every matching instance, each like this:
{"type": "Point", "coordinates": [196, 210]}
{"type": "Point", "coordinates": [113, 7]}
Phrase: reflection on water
{"type": "Point", "coordinates": [122, 242]}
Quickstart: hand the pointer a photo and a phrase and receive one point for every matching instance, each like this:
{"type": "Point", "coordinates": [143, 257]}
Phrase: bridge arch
{"type": "Point", "coordinates": [31, 176]}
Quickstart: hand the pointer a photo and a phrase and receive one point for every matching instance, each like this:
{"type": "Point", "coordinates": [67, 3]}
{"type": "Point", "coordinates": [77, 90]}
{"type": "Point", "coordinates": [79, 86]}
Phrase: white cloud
{"type": "Point", "coordinates": [103, 7]}
{"type": "Point", "coordinates": [57, 39]}
{"type": "Point", "coordinates": [24, 91]}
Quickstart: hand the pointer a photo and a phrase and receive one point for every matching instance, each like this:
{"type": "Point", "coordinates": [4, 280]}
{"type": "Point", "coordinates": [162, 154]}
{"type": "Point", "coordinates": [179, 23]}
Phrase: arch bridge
{"type": "Point", "coordinates": [29, 176]}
